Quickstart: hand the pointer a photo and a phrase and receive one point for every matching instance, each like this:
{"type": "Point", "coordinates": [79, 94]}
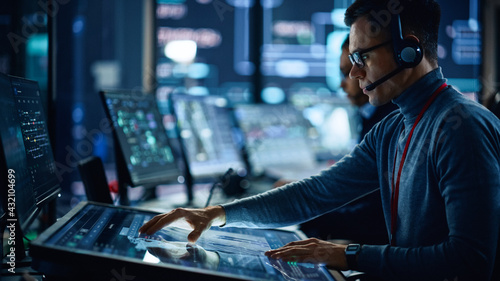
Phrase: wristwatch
{"type": "Point", "coordinates": [351, 254]}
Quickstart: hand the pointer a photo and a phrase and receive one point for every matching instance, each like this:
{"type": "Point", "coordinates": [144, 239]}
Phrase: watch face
{"type": "Point", "coordinates": [352, 247]}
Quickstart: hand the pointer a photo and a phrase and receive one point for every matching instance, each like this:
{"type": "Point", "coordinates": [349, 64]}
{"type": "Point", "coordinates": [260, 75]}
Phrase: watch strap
{"type": "Point", "coordinates": [351, 254]}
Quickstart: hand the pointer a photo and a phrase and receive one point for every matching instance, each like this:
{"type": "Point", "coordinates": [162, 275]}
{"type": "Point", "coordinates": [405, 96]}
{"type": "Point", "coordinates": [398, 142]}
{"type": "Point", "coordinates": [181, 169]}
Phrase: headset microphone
{"type": "Point", "coordinates": [383, 79]}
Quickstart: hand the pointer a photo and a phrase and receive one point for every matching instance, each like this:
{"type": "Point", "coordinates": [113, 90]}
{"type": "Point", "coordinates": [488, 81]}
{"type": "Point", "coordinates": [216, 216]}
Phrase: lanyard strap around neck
{"type": "Point", "coordinates": [395, 186]}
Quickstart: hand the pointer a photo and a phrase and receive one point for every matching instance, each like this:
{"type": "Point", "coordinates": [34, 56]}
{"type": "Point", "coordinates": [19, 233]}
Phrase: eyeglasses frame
{"type": "Point", "coordinates": [359, 54]}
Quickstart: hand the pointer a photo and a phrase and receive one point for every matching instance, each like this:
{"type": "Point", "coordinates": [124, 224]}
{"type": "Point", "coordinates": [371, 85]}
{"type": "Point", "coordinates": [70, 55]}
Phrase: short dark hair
{"type": "Point", "coordinates": [418, 17]}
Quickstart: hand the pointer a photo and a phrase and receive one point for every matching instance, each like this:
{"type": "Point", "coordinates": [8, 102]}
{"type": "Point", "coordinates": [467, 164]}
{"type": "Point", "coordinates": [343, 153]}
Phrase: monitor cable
{"type": "Point", "coordinates": [219, 183]}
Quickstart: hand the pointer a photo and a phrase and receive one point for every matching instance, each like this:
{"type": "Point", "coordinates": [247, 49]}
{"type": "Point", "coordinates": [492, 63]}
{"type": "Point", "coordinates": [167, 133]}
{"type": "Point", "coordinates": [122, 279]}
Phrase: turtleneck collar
{"type": "Point", "coordinates": [367, 110]}
{"type": "Point", "coordinates": [412, 100]}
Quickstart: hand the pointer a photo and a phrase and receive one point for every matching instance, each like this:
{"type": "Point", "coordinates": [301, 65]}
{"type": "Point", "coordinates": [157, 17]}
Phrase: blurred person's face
{"type": "Point", "coordinates": [350, 86]}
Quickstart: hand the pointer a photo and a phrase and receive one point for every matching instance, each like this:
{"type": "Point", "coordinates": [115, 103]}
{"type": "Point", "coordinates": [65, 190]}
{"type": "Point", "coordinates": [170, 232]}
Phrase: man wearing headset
{"type": "Point", "coordinates": [435, 162]}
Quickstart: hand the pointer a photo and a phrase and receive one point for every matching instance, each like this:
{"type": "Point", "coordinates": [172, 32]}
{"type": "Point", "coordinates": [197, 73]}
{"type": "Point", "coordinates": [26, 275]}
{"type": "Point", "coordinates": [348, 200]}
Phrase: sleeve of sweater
{"type": "Point", "coordinates": [466, 156]}
{"type": "Point", "coordinates": [352, 177]}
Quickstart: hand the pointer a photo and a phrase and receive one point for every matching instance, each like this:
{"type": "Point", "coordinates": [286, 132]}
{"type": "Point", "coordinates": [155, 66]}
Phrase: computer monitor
{"type": "Point", "coordinates": [27, 160]}
{"type": "Point", "coordinates": [275, 136]}
{"type": "Point", "coordinates": [14, 157]}
{"type": "Point", "coordinates": [41, 163]}
{"type": "Point", "coordinates": [335, 123]}
{"type": "Point", "coordinates": [144, 153]}
{"type": "Point", "coordinates": [207, 132]}
{"type": "Point", "coordinates": [102, 241]}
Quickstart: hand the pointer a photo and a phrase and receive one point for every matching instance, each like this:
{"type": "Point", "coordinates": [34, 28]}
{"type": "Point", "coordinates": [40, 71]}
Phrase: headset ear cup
{"type": "Point", "coordinates": [410, 55]}
{"type": "Point", "coordinates": [407, 51]}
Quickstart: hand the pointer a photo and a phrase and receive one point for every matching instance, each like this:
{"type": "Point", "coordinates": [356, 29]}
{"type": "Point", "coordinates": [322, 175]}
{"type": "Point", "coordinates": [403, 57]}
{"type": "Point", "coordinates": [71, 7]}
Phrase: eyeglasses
{"type": "Point", "coordinates": [357, 57]}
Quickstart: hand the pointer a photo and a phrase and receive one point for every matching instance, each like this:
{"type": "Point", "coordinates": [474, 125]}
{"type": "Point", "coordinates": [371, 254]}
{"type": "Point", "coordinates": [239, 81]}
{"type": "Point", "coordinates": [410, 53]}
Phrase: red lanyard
{"type": "Point", "coordinates": [395, 186]}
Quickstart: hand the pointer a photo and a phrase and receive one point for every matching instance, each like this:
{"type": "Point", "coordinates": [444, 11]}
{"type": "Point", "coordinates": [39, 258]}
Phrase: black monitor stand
{"type": "Point", "coordinates": [121, 174]}
{"type": "Point", "coordinates": [188, 180]}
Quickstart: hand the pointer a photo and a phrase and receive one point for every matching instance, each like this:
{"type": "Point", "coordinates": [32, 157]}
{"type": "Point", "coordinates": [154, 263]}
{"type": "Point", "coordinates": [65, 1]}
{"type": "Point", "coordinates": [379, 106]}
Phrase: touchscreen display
{"type": "Point", "coordinates": [113, 232]}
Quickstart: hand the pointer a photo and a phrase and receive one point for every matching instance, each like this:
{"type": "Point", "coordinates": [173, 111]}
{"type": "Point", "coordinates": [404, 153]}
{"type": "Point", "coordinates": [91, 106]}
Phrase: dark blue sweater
{"type": "Point", "coordinates": [449, 201]}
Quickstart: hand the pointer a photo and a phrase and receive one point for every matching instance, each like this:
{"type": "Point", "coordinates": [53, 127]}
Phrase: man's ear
{"type": "Point", "coordinates": [411, 37]}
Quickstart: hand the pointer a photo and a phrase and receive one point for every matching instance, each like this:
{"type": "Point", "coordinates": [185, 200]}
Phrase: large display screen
{"type": "Point", "coordinates": [139, 132]}
{"type": "Point", "coordinates": [107, 238]}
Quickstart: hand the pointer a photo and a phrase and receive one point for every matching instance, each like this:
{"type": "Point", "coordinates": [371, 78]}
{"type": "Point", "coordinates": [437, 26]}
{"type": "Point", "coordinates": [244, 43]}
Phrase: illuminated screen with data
{"type": "Point", "coordinates": [297, 38]}
{"type": "Point", "coordinates": [112, 234]}
{"type": "Point", "coordinates": [275, 136]}
{"type": "Point", "coordinates": [41, 164]}
{"type": "Point", "coordinates": [460, 45]}
{"type": "Point", "coordinates": [143, 141]}
{"type": "Point", "coordinates": [207, 132]}
{"type": "Point", "coordinates": [302, 45]}
{"type": "Point", "coordinates": [14, 155]}
{"type": "Point", "coordinates": [26, 146]}
{"type": "Point", "coordinates": [334, 121]}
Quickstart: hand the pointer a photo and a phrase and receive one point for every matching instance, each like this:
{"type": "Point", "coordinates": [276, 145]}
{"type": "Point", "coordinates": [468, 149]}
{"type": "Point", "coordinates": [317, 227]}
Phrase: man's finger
{"type": "Point", "coordinates": [303, 242]}
{"type": "Point", "coordinates": [148, 224]}
{"type": "Point", "coordinates": [288, 254]}
{"type": "Point", "coordinates": [195, 235]}
{"type": "Point", "coordinates": [159, 221]}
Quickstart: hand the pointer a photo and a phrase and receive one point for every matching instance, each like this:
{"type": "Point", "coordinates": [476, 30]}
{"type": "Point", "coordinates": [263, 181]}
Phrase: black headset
{"type": "Point", "coordinates": [407, 52]}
